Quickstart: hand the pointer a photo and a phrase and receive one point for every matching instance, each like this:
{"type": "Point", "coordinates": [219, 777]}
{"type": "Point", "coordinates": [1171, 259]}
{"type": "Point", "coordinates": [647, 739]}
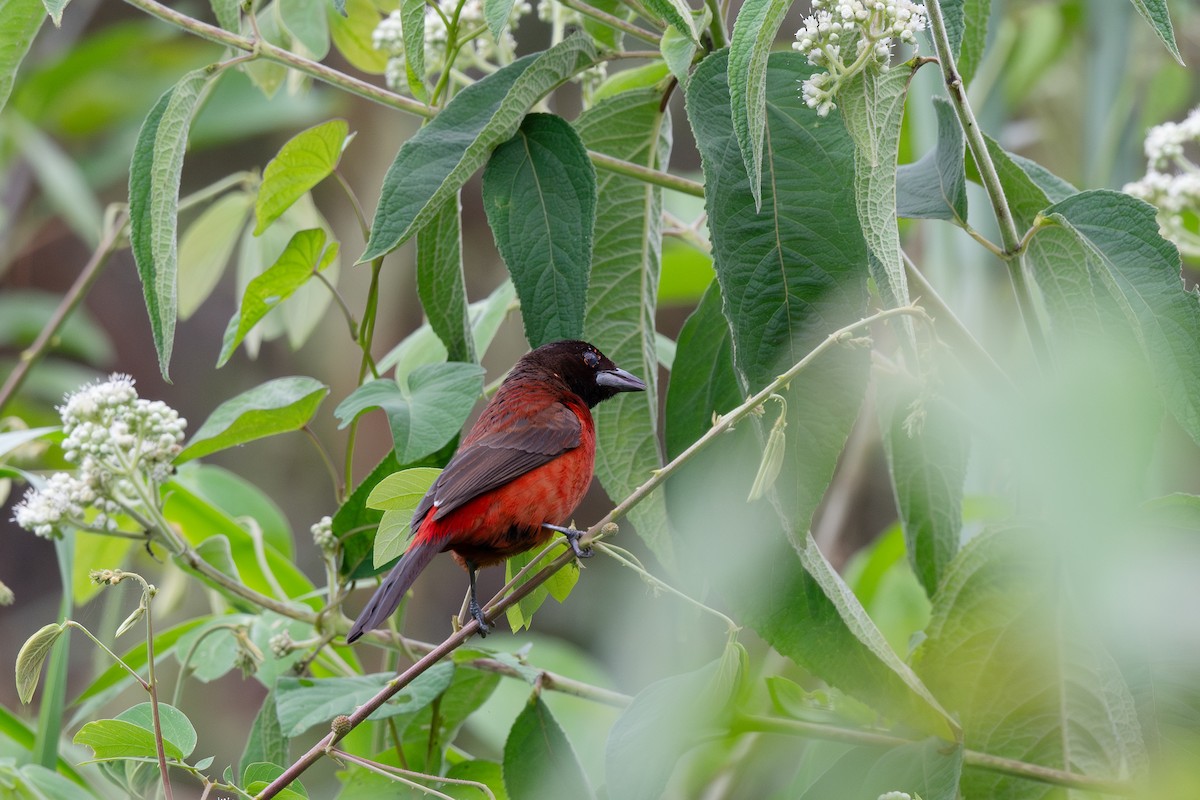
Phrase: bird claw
{"type": "Point", "coordinates": [477, 612]}
{"type": "Point", "coordinates": [573, 537]}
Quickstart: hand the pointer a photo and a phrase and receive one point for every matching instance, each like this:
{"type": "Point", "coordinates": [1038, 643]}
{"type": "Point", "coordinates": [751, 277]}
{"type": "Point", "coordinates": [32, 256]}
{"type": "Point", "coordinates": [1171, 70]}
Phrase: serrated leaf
{"type": "Point", "coordinates": [304, 702]}
{"type": "Point", "coordinates": [304, 256]}
{"type": "Point", "coordinates": [425, 413]}
{"type": "Point", "coordinates": [351, 26]}
{"type": "Point", "coordinates": [665, 720]}
{"type": "Point", "coordinates": [1141, 271]}
{"type": "Point", "coordinates": [20, 21]}
{"type": "Point", "coordinates": [929, 770]}
{"type": "Point", "coordinates": [306, 22]}
{"type": "Point", "coordinates": [177, 729]}
{"type": "Point", "coordinates": [872, 106]}
{"type": "Point", "coordinates": [539, 760]}
{"type": "Point", "coordinates": [1002, 620]}
{"type": "Point", "coordinates": [31, 657]}
{"type": "Point", "coordinates": [266, 741]}
{"type": "Point", "coordinates": [928, 465]}
{"type": "Point", "coordinates": [435, 162]}
{"type": "Point", "coordinates": [154, 177]}
{"type": "Point", "coordinates": [277, 406]}
{"type": "Point", "coordinates": [967, 29]}
{"type": "Point", "coordinates": [1157, 13]}
{"type": "Point", "coordinates": [559, 586]}
{"type": "Point", "coordinates": [753, 35]}
{"type": "Point", "coordinates": [622, 297]}
{"type": "Point", "coordinates": [118, 738]}
{"type": "Point", "coordinates": [304, 161]}
{"type": "Point", "coordinates": [539, 192]}
{"type": "Point", "coordinates": [440, 283]}
{"type": "Point", "coordinates": [936, 186]}
{"type": "Point", "coordinates": [205, 248]}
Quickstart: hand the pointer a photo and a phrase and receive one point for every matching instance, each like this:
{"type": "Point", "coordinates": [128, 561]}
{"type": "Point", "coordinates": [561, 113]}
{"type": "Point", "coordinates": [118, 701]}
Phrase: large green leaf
{"type": "Point", "coordinates": [205, 248]}
{"type": "Point", "coordinates": [266, 741]}
{"type": "Point", "coordinates": [753, 36]}
{"type": "Point", "coordinates": [154, 177]}
{"type": "Point", "coordinates": [1141, 270]}
{"type": "Point", "coordinates": [305, 20]}
{"type": "Point", "coordinates": [305, 160]}
{"type": "Point", "coordinates": [435, 162]}
{"type": "Point", "coordinates": [622, 297]}
{"type": "Point", "coordinates": [1005, 650]}
{"type": "Point", "coordinates": [789, 275]}
{"type": "Point", "coordinates": [424, 413]}
{"type": "Point", "coordinates": [539, 760]}
{"type": "Point", "coordinates": [351, 34]}
{"type": "Point", "coordinates": [304, 702]}
{"type": "Point", "coordinates": [277, 406]}
{"type": "Point", "coordinates": [873, 109]}
{"type": "Point", "coordinates": [440, 281]}
{"type": "Point", "coordinates": [397, 496]}
{"type": "Point", "coordinates": [118, 738]}
{"type": "Point", "coordinates": [936, 186]}
{"type": "Point", "coordinates": [539, 192]}
{"type": "Point", "coordinates": [929, 770]}
{"type": "Point", "coordinates": [176, 728]}
{"type": "Point", "coordinates": [1157, 13]}
{"type": "Point", "coordinates": [20, 20]}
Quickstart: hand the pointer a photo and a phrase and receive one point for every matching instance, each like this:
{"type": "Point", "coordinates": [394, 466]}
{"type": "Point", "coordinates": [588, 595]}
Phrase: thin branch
{"type": "Point", "coordinates": [71, 300]}
{"type": "Point", "coordinates": [651, 176]}
{"type": "Point", "coordinates": [611, 21]}
{"type": "Point", "coordinates": [991, 181]}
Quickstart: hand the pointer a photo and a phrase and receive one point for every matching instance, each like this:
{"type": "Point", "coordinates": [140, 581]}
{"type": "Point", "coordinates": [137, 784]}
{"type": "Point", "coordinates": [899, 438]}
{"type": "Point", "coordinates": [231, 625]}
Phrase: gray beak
{"type": "Point", "coordinates": [619, 380]}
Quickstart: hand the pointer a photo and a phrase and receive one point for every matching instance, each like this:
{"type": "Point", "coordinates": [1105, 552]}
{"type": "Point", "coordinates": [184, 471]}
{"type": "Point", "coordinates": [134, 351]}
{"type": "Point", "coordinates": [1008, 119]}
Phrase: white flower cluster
{"type": "Point", "coordinates": [121, 443]}
{"type": "Point", "coordinates": [482, 50]}
{"type": "Point", "coordinates": [847, 36]}
{"type": "Point", "coordinates": [322, 534]}
{"type": "Point", "coordinates": [1172, 181]}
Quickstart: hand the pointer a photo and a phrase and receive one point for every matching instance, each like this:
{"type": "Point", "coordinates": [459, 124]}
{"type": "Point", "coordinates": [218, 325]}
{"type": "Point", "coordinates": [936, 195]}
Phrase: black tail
{"type": "Point", "coordinates": [387, 597]}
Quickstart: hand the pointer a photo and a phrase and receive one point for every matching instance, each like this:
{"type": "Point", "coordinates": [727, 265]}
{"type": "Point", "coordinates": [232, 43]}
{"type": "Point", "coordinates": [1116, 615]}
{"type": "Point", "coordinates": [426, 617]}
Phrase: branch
{"type": "Point", "coordinates": [991, 181]}
{"type": "Point", "coordinates": [652, 176]}
{"type": "Point", "coordinates": [343, 725]}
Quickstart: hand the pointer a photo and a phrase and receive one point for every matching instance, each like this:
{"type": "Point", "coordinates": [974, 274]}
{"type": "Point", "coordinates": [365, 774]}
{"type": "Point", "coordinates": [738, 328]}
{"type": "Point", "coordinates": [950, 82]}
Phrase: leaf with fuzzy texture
{"type": "Point", "coordinates": [20, 20]}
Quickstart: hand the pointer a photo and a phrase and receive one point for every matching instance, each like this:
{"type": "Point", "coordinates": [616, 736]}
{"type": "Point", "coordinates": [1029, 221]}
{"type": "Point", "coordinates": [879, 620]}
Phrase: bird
{"type": "Point", "coordinates": [522, 469]}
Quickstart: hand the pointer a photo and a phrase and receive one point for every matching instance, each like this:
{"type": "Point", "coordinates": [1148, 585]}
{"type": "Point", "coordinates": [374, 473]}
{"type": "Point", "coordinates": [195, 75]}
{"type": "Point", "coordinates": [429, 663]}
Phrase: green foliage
{"type": "Point", "coordinates": [1008, 635]}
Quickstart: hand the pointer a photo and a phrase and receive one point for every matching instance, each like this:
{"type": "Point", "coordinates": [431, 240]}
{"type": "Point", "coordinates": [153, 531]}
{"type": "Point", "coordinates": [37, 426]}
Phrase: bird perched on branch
{"type": "Point", "coordinates": [523, 468]}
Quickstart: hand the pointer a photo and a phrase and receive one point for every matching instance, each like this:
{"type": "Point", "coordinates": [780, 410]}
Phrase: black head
{"type": "Point", "coordinates": [586, 371]}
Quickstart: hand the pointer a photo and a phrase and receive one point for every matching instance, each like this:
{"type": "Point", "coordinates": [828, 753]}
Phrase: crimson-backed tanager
{"type": "Point", "coordinates": [521, 471]}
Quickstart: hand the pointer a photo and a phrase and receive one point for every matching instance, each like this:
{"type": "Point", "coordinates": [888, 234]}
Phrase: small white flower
{"type": "Point", "coordinates": [895, 796]}
{"type": "Point", "coordinates": [1172, 180]}
{"type": "Point", "coordinates": [322, 534]}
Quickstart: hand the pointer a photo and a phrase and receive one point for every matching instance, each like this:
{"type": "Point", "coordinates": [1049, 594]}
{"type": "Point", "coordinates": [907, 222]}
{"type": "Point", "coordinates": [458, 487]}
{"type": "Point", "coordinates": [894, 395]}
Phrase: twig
{"type": "Point", "coordinates": [611, 21]}
{"type": "Point", "coordinates": [652, 176]}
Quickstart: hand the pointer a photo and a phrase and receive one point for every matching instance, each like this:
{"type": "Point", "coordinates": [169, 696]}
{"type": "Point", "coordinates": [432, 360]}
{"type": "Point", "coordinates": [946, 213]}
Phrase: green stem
{"type": "Point", "coordinates": [621, 558]}
{"type": "Point", "coordinates": [604, 18]}
{"type": "Point", "coordinates": [651, 176]}
{"type": "Point", "coordinates": [341, 303]}
{"type": "Point", "coordinates": [153, 689]}
{"type": "Point", "coordinates": [720, 35]}
{"type": "Point", "coordinates": [971, 758]}
{"type": "Point", "coordinates": [339, 490]}
{"type": "Point", "coordinates": [71, 300]}
{"type": "Point", "coordinates": [991, 182]}
{"type": "Point", "coordinates": [116, 658]}
{"type": "Point", "coordinates": [245, 178]}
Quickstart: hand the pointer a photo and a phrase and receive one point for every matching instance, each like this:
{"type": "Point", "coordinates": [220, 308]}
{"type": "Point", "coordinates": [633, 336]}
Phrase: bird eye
{"type": "Point", "coordinates": [590, 358]}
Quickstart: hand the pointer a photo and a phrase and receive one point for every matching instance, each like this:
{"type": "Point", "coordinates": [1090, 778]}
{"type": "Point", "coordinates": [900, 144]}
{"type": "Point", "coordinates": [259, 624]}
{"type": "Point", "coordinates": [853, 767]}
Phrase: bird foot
{"type": "Point", "coordinates": [477, 612]}
{"type": "Point", "coordinates": [573, 537]}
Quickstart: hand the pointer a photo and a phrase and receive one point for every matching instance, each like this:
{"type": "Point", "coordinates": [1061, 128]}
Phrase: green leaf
{"type": "Point", "coordinates": [929, 770]}
{"type": "Point", "coordinates": [257, 776]}
{"type": "Point", "coordinates": [304, 702]}
{"type": "Point", "coordinates": [238, 498]}
{"type": "Point", "coordinates": [205, 248]}
{"type": "Point", "coordinates": [118, 738]}
{"type": "Point", "coordinates": [539, 760]}
{"type": "Point", "coordinates": [177, 729]}
{"type": "Point", "coordinates": [20, 20]}
{"type": "Point", "coordinates": [677, 13]}
{"type": "Point", "coordinates": [351, 28]}
{"type": "Point", "coordinates": [559, 586]}
{"type": "Point", "coordinates": [228, 14]}
{"type": "Point", "coordinates": [60, 178]}
{"type": "Point", "coordinates": [1141, 270]}
{"type": "Point", "coordinates": [928, 465]}
{"type": "Point", "coordinates": [665, 720]}
{"type": "Point", "coordinates": [753, 35]}
{"type": "Point", "coordinates": [305, 20]}
{"type": "Point", "coordinates": [628, 80]}
{"type": "Point", "coordinates": [11, 440]}
{"type": "Point", "coordinates": [412, 25]}
{"type": "Point", "coordinates": [873, 110]}
{"type": "Point", "coordinates": [967, 29]}
{"type": "Point", "coordinates": [154, 177]}
{"type": "Point", "coordinates": [31, 657]}
{"type": "Point", "coordinates": [936, 186]}
{"type": "Point", "coordinates": [440, 283]}
{"type": "Point", "coordinates": [266, 742]}
{"type": "Point", "coordinates": [425, 413]}
{"type": "Point", "coordinates": [435, 162]}
{"type": "Point", "coordinates": [489, 773]}
{"type": "Point", "coordinates": [496, 12]}
{"type": "Point", "coordinates": [353, 520]}
{"type": "Point", "coordinates": [304, 256]}
{"type": "Point", "coordinates": [304, 161]}
{"type": "Point", "coordinates": [268, 76]}
{"type": "Point", "coordinates": [679, 49]}
{"type": "Point", "coordinates": [1002, 620]}
{"type": "Point", "coordinates": [55, 9]}
{"type": "Point", "coordinates": [622, 296]}
{"type": "Point", "coordinates": [397, 496]}
{"type": "Point", "coordinates": [1157, 13]}
{"type": "Point", "coordinates": [277, 406]}
{"type": "Point", "coordinates": [539, 192]}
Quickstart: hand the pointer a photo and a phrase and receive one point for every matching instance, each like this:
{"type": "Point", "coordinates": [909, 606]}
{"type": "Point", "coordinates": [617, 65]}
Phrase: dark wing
{"type": "Point", "coordinates": [494, 459]}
